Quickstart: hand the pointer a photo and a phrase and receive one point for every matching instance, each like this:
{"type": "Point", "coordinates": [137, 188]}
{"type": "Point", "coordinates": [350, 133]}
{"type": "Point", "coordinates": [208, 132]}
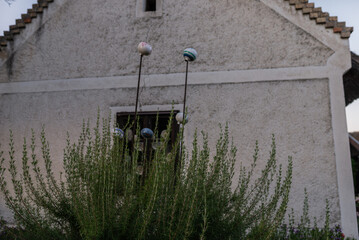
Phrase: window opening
{"type": "Point", "coordinates": [147, 146]}
{"type": "Point", "coordinates": [150, 5]}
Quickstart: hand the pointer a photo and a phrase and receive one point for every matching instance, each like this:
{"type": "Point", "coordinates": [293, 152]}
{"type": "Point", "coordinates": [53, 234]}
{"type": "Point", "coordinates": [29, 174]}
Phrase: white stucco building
{"type": "Point", "coordinates": [265, 67]}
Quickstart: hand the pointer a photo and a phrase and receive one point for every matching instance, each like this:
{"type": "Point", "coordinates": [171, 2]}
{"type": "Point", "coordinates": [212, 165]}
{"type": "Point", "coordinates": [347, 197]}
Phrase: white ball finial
{"type": "Point", "coordinates": [129, 135]}
{"type": "Point", "coordinates": [144, 48]}
{"type": "Point", "coordinates": [179, 118]}
{"type": "Point", "coordinates": [164, 134]}
{"type": "Point", "coordinates": [190, 54]}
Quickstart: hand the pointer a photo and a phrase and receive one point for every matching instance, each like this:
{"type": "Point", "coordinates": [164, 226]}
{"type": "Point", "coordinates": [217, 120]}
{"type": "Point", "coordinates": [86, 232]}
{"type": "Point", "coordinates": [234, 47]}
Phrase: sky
{"type": "Point", "coordinates": [345, 10]}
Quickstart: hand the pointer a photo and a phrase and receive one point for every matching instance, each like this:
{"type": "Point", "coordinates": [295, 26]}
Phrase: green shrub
{"type": "Point", "coordinates": [102, 194]}
{"type": "Point", "coordinates": [304, 229]}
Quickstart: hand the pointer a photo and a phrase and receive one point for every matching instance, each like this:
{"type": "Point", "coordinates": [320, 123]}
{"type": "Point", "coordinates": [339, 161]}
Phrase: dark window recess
{"type": "Point", "coordinates": [150, 5]}
{"type": "Point", "coordinates": [148, 120]}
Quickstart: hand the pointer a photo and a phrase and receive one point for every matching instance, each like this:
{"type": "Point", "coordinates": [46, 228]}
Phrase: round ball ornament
{"type": "Point", "coordinates": [129, 135]}
{"type": "Point", "coordinates": [117, 132]}
{"type": "Point", "coordinates": [144, 48]}
{"type": "Point", "coordinates": [147, 133]}
{"type": "Point", "coordinates": [190, 54]}
{"type": "Point", "coordinates": [179, 118]}
{"type": "Point", "coordinates": [164, 134]}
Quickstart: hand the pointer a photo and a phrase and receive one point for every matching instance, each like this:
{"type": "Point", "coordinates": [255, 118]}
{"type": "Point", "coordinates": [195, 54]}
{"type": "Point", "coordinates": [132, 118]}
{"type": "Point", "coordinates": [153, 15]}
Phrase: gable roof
{"type": "Point", "coordinates": [314, 13]}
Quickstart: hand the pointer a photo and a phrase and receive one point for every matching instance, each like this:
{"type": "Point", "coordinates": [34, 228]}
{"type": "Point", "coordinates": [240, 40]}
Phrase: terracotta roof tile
{"type": "Point", "coordinates": [3, 41]}
{"type": "Point", "coordinates": [14, 29]}
{"type": "Point", "coordinates": [20, 23]}
{"type": "Point", "coordinates": [321, 17]}
{"type": "Point", "coordinates": [26, 18]}
{"type": "Point", "coordinates": [44, 4]}
{"type": "Point", "coordinates": [8, 36]}
{"type": "Point", "coordinates": [32, 13]}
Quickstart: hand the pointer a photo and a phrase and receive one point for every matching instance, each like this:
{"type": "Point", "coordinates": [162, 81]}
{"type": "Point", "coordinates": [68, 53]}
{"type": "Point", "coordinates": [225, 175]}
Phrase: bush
{"type": "Point", "coordinates": [304, 230]}
{"type": "Point", "coordinates": [104, 194]}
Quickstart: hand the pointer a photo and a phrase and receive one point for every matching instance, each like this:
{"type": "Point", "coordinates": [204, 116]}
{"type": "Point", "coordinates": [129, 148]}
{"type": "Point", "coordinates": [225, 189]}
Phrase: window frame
{"type": "Point", "coordinates": [144, 108]}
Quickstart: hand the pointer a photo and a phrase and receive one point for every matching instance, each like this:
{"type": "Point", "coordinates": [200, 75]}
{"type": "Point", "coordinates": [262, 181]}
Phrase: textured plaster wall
{"type": "Point", "coordinates": [297, 112]}
{"type": "Point", "coordinates": [90, 39]}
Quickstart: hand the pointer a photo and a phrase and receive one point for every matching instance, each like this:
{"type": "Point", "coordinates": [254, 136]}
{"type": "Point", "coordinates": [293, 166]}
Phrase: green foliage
{"type": "Point", "coordinates": [313, 233]}
{"type": "Point", "coordinates": [304, 230]}
{"type": "Point", "coordinates": [105, 195]}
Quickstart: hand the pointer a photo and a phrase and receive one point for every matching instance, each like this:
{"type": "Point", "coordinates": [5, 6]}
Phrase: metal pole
{"type": "Point", "coordinates": [184, 111]}
{"type": "Point", "coordinates": [138, 91]}
{"type": "Point", "coordinates": [185, 95]}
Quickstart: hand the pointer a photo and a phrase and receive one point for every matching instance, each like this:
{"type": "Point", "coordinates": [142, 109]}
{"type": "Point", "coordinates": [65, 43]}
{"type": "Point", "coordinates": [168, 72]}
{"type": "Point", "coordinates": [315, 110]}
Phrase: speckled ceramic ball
{"type": "Point", "coordinates": [179, 117]}
{"type": "Point", "coordinates": [144, 48]}
{"type": "Point", "coordinates": [164, 134]}
{"type": "Point", "coordinates": [146, 133]}
{"type": "Point", "coordinates": [190, 54]}
{"type": "Point", "coordinates": [129, 135]}
{"type": "Point", "coordinates": [117, 132]}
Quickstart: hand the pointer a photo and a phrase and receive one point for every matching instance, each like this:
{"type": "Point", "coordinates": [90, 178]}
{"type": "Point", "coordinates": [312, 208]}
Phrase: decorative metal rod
{"type": "Point", "coordinates": [185, 93]}
{"type": "Point", "coordinates": [144, 49]}
{"type": "Point", "coordinates": [189, 55]}
{"type": "Point", "coordinates": [138, 91]}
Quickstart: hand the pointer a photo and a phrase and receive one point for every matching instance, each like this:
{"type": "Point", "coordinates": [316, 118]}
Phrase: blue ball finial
{"type": "Point", "coordinates": [117, 132]}
{"type": "Point", "coordinates": [146, 133]}
{"type": "Point", "coordinates": [190, 54]}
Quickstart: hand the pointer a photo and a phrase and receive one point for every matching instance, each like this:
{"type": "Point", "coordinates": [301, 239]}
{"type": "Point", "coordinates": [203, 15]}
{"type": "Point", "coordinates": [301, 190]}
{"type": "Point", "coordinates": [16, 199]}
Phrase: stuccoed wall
{"type": "Point", "coordinates": [297, 112]}
{"type": "Point", "coordinates": [92, 39]}
{"type": "Point", "coordinates": [288, 83]}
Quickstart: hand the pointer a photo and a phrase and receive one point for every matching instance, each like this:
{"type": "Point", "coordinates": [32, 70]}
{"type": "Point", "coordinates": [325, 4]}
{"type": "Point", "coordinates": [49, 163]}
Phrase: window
{"type": "Point", "coordinates": [148, 120]}
{"type": "Point", "coordinates": [149, 8]}
{"type": "Point", "coordinates": [147, 146]}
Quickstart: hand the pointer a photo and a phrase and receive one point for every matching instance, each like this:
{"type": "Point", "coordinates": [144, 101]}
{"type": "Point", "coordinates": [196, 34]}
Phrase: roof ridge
{"type": "Point", "coordinates": [26, 18]}
{"type": "Point", "coordinates": [320, 17]}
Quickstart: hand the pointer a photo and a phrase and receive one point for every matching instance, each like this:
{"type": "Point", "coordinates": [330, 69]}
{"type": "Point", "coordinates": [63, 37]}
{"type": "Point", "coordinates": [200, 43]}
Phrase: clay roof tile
{"type": "Point", "coordinates": [26, 18]}
{"type": "Point", "coordinates": [3, 41]}
{"type": "Point", "coordinates": [321, 17]}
